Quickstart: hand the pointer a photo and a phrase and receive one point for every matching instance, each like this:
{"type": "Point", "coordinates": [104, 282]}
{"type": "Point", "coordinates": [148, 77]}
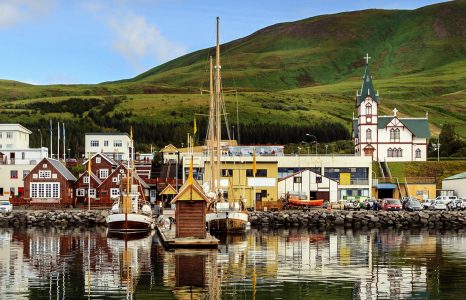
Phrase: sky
{"type": "Point", "coordinates": [91, 41]}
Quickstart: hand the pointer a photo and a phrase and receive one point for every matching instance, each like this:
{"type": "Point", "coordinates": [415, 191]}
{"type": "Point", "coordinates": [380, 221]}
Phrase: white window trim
{"type": "Point", "coordinates": [80, 192]}
{"type": "Point", "coordinates": [103, 173]}
{"type": "Point", "coordinates": [39, 190]}
{"type": "Point", "coordinates": [86, 179]}
{"type": "Point", "coordinates": [114, 192]}
{"type": "Point", "coordinates": [97, 160]}
{"type": "Point", "coordinates": [45, 174]}
{"type": "Point", "coordinates": [92, 193]}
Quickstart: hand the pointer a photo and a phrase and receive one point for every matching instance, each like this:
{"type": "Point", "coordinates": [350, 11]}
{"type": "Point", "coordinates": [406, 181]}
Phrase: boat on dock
{"type": "Point", "coordinates": [129, 214]}
{"type": "Point", "coordinates": [226, 215]}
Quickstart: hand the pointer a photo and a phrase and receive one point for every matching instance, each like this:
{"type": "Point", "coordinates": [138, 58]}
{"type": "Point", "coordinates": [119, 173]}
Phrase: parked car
{"type": "Point", "coordinates": [391, 204]}
{"type": "Point", "coordinates": [455, 205]}
{"type": "Point", "coordinates": [413, 205]}
{"type": "Point", "coordinates": [6, 207]}
{"type": "Point", "coordinates": [446, 199]}
{"type": "Point", "coordinates": [352, 204]}
{"type": "Point", "coordinates": [439, 205]}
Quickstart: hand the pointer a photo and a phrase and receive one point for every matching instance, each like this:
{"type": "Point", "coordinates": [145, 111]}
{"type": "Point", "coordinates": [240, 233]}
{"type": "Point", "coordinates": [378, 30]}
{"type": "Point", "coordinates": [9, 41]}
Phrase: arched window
{"type": "Point", "coordinates": [392, 135]}
{"type": "Point", "coordinates": [397, 135]}
{"type": "Point", "coordinates": [395, 152]}
{"type": "Point", "coordinates": [368, 135]}
{"type": "Point", "coordinates": [400, 152]}
{"type": "Point", "coordinates": [418, 153]}
{"type": "Point", "coordinates": [368, 109]}
{"type": "Point", "coordinates": [390, 152]}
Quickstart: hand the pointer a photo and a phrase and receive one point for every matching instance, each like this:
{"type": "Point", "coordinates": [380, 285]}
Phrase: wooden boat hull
{"type": "Point", "coordinates": [229, 221]}
{"type": "Point", "coordinates": [132, 223]}
{"type": "Point", "coordinates": [296, 202]}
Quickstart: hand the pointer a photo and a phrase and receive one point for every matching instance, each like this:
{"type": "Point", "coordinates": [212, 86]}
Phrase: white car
{"type": "Point", "coordinates": [5, 207]}
{"type": "Point", "coordinates": [439, 205]}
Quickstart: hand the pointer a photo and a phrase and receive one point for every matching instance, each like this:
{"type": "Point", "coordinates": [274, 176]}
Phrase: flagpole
{"type": "Point", "coordinates": [64, 143]}
{"type": "Point", "coordinates": [51, 139]}
{"type": "Point", "coordinates": [89, 172]}
{"type": "Point", "coordinates": [254, 169]}
{"type": "Point", "coordinates": [58, 141]}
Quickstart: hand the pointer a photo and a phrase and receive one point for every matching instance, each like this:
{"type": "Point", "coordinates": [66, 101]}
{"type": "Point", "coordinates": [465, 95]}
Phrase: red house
{"type": "Point", "coordinates": [101, 165]}
{"type": "Point", "coordinates": [110, 187]}
{"type": "Point", "coordinates": [49, 183]}
{"type": "Point", "coordinates": [81, 188]}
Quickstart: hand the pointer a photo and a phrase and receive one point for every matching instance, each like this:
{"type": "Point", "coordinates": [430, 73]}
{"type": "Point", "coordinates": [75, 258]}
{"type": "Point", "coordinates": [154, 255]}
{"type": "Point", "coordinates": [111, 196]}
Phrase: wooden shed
{"type": "Point", "coordinates": [190, 215]}
{"type": "Point", "coordinates": [168, 193]}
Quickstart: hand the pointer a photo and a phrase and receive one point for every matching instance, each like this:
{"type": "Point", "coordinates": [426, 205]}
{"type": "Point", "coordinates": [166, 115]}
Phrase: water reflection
{"type": "Point", "coordinates": [290, 264]}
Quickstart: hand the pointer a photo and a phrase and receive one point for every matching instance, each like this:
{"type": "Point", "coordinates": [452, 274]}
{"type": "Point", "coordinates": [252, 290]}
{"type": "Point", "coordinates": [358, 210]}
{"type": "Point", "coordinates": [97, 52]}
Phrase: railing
{"type": "Point", "coordinates": [359, 181]}
{"type": "Point", "coordinates": [420, 180]}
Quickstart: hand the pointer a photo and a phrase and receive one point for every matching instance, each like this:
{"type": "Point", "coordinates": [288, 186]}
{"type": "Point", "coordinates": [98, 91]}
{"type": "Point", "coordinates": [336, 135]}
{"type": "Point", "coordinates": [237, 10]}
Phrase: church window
{"type": "Point", "coordinates": [390, 152]}
{"type": "Point", "coordinates": [418, 153]}
{"type": "Point", "coordinates": [397, 135]}
{"type": "Point", "coordinates": [395, 152]}
{"type": "Point", "coordinates": [368, 135]}
{"type": "Point", "coordinates": [400, 152]}
{"type": "Point", "coordinates": [368, 109]}
{"type": "Point", "coordinates": [394, 135]}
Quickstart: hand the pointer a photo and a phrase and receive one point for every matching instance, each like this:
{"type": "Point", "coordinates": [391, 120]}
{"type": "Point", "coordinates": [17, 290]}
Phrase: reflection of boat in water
{"type": "Point", "coordinates": [222, 214]}
{"type": "Point", "coordinates": [129, 214]}
{"type": "Point", "coordinates": [133, 252]}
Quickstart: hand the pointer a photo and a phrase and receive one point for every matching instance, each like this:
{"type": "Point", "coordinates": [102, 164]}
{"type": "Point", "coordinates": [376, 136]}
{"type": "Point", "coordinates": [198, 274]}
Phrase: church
{"type": "Point", "coordinates": [386, 138]}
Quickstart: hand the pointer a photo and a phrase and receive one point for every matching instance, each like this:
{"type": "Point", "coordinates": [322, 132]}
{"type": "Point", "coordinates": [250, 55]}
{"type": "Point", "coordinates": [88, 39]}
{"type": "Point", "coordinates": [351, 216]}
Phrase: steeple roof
{"type": "Point", "coordinates": [367, 88]}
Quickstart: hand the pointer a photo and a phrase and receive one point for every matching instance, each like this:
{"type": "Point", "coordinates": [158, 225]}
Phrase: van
{"type": "Point", "coordinates": [446, 199]}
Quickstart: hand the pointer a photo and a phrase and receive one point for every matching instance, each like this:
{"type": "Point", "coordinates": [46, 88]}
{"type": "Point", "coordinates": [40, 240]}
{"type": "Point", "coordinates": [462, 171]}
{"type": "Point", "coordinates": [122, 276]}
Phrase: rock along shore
{"type": "Point", "coordinates": [358, 219]}
{"type": "Point", "coordinates": [53, 218]}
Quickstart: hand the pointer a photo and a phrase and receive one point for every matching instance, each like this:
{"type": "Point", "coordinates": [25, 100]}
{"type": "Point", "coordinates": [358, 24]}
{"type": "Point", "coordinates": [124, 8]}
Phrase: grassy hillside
{"type": "Point", "coordinates": [292, 78]}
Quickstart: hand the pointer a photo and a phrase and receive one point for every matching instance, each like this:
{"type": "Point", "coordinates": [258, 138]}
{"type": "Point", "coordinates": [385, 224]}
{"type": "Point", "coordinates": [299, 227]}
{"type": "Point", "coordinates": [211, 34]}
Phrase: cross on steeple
{"type": "Point", "coordinates": [395, 111]}
{"type": "Point", "coordinates": [367, 57]}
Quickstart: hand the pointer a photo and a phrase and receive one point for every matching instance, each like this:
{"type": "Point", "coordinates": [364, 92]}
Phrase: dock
{"type": "Point", "coordinates": [167, 236]}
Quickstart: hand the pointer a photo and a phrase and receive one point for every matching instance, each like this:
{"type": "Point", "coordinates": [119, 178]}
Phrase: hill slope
{"type": "Point", "coordinates": [329, 48]}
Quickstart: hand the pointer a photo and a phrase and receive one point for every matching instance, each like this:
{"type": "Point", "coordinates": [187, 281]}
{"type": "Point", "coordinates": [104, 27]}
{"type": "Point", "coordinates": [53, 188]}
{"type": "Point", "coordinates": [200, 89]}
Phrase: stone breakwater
{"type": "Point", "coordinates": [57, 218]}
{"type": "Point", "coordinates": [359, 219]}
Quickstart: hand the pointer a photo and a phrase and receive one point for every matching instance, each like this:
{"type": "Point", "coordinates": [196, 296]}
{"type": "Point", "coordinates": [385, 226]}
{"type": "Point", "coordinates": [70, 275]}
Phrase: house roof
{"type": "Point", "coordinates": [367, 88]}
{"type": "Point", "coordinates": [111, 161]}
{"type": "Point", "coordinates": [457, 176]}
{"type": "Point", "coordinates": [106, 133]}
{"type": "Point", "coordinates": [135, 175]}
{"type": "Point", "coordinates": [93, 176]}
{"type": "Point", "coordinates": [61, 169]}
{"type": "Point", "coordinates": [190, 191]}
{"type": "Point", "coordinates": [169, 148]}
{"type": "Point", "coordinates": [418, 126]}
{"type": "Point", "coordinates": [168, 190]}
{"type": "Point", "coordinates": [302, 171]}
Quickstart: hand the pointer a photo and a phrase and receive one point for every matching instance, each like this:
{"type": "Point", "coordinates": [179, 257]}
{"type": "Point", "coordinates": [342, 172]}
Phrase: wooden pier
{"type": "Point", "coordinates": [170, 241]}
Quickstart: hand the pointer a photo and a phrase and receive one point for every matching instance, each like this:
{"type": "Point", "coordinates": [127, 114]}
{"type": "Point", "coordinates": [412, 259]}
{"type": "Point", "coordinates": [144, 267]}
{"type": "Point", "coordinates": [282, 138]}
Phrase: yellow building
{"type": "Point", "coordinates": [238, 180]}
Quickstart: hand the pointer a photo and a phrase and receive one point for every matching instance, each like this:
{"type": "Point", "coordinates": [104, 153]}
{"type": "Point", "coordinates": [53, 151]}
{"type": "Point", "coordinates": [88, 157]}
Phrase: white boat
{"type": "Point", "coordinates": [129, 214]}
{"type": "Point", "coordinates": [222, 214]}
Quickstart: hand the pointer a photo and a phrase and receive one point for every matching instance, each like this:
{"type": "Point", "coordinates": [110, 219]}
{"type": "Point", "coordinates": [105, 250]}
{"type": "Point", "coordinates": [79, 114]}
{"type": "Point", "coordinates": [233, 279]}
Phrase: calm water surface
{"type": "Point", "coordinates": [285, 264]}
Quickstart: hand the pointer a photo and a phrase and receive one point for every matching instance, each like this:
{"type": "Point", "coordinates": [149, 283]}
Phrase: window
{"type": "Point", "coordinates": [390, 152]}
{"type": "Point", "coordinates": [92, 193]}
{"type": "Point", "coordinates": [23, 155]}
{"type": "Point", "coordinates": [117, 143]}
{"type": "Point", "coordinates": [44, 166]}
{"type": "Point", "coordinates": [12, 192]}
{"type": "Point", "coordinates": [45, 190]}
{"type": "Point", "coordinates": [45, 174]}
{"type": "Point", "coordinates": [14, 174]}
{"type": "Point", "coordinates": [400, 152]}
{"type": "Point", "coordinates": [1, 191]}
{"type": "Point", "coordinates": [297, 179]}
{"type": "Point", "coordinates": [94, 143]}
{"type": "Point", "coordinates": [86, 179]}
{"type": "Point", "coordinates": [368, 135]}
{"type": "Point", "coordinates": [264, 193]}
{"type": "Point", "coordinates": [9, 135]}
{"type": "Point", "coordinates": [227, 172]}
{"type": "Point", "coordinates": [105, 143]}
{"type": "Point", "coordinates": [114, 192]}
{"type": "Point", "coordinates": [97, 160]}
{"type": "Point", "coordinates": [318, 179]}
{"type": "Point", "coordinates": [261, 173]}
{"type": "Point", "coordinates": [395, 135]}
{"type": "Point", "coordinates": [80, 192]}
{"type": "Point", "coordinates": [9, 146]}
{"type": "Point", "coordinates": [368, 109]}
{"type": "Point", "coordinates": [418, 153]}
{"type": "Point", "coordinates": [103, 173]}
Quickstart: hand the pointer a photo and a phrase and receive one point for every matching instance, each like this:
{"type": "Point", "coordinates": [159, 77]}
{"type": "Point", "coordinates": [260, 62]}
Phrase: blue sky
{"type": "Point", "coordinates": [90, 41]}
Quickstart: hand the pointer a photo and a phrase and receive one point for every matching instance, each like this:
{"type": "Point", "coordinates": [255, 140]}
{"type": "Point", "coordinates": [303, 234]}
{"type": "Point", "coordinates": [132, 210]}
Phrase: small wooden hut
{"type": "Point", "coordinates": [167, 194]}
{"type": "Point", "coordinates": [190, 215]}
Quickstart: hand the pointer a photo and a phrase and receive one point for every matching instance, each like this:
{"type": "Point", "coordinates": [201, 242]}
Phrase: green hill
{"type": "Point", "coordinates": [292, 78]}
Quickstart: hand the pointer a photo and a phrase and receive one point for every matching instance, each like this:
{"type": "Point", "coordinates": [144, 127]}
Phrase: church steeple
{"type": "Point", "coordinates": [367, 88]}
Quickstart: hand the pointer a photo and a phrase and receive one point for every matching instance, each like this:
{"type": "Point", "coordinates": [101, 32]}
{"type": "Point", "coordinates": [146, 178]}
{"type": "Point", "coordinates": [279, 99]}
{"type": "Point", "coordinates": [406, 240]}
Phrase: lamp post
{"type": "Point", "coordinates": [69, 149]}
{"type": "Point", "coordinates": [308, 146]}
{"type": "Point", "coordinates": [315, 141]}
{"type": "Point", "coordinates": [40, 132]}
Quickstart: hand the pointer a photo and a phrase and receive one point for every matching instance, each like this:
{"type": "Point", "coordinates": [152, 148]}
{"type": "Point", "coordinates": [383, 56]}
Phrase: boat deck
{"type": "Point", "coordinates": [169, 240]}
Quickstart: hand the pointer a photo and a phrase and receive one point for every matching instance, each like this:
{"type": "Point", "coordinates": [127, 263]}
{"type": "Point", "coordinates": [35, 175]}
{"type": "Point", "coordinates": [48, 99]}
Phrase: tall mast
{"type": "Point", "coordinates": [211, 127]}
{"type": "Point", "coordinates": [218, 99]}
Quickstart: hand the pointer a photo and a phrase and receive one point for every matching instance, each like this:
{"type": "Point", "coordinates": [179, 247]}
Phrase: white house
{"type": "Point", "coordinates": [456, 183]}
{"type": "Point", "coordinates": [113, 145]}
{"type": "Point", "coordinates": [386, 138]}
{"type": "Point", "coordinates": [14, 136]}
{"type": "Point", "coordinates": [309, 184]}
{"type": "Point", "coordinates": [16, 159]}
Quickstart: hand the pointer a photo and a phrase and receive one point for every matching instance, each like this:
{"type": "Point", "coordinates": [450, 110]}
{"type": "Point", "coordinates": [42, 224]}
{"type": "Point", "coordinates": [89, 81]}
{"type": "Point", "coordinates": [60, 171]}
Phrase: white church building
{"type": "Point", "coordinates": [386, 138]}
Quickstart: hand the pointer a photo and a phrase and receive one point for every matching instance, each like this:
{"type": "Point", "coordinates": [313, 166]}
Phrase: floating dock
{"type": "Point", "coordinates": [169, 240]}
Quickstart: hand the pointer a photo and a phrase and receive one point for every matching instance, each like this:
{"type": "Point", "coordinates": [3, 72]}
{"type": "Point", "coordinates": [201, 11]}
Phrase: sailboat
{"type": "Point", "coordinates": [128, 213]}
{"type": "Point", "coordinates": [222, 214]}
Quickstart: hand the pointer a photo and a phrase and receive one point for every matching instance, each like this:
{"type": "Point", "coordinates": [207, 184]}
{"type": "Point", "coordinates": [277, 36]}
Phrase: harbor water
{"type": "Point", "coordinates": [39, 263]}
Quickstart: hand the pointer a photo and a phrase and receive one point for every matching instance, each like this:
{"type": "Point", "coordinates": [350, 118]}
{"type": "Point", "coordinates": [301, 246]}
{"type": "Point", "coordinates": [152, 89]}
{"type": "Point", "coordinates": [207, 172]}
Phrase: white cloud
{"type": "Point", "coordinates": [137, 40]}
{"type": "Point", "coordinates": [13, 12]}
